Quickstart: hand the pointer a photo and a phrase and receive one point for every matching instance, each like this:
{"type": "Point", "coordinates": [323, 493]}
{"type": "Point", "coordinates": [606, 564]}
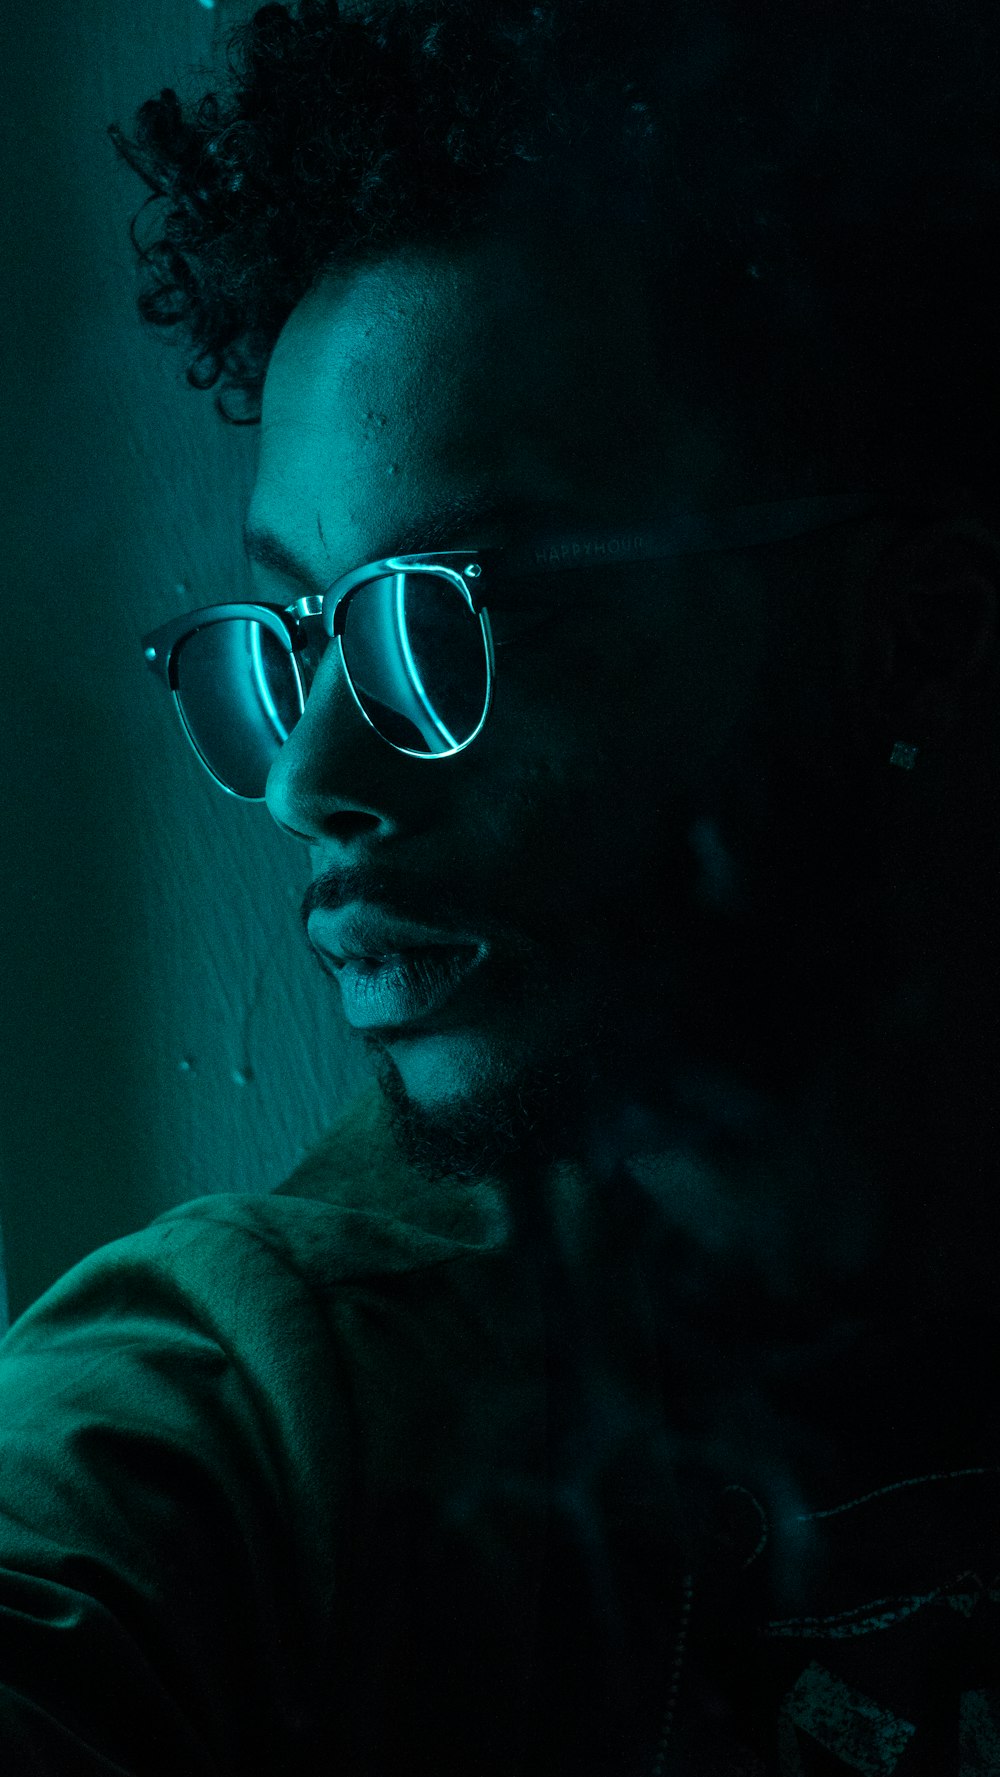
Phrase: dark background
{"type": "Point", "coordinates": [162, 1031]}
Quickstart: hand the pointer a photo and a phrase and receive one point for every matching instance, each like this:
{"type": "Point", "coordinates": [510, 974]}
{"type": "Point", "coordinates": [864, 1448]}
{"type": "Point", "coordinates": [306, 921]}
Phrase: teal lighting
{"type": "Point", "coordinates": [263, 688]}
{"type": "Point", "coordinates": [411, 665]}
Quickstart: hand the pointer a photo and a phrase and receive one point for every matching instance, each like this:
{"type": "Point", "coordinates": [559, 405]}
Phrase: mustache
{"type": "Point", "coordinates": [630, 915]}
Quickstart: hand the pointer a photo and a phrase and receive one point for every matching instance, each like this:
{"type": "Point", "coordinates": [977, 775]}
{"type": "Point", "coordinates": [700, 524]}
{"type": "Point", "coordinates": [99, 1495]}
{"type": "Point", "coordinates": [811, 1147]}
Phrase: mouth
{"type": "Point", "coordinates": [391, 973]}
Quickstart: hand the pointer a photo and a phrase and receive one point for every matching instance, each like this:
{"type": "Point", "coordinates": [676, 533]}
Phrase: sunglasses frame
{"type": "Point", "coordinates": [474, 573]}
{"type": "Point", "coordinates": [297, 625]}
{"type": "Point", "coordinates": [335, 603]}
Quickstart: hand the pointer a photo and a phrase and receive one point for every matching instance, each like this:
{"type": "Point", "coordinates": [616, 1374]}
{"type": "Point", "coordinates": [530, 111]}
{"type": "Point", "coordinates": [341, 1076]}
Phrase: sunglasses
{"type": "Point", "coordinates": [414, 636]}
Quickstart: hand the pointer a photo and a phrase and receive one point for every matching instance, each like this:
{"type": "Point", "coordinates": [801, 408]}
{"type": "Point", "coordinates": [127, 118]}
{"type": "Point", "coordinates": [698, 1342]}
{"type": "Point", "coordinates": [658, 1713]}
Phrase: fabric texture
{"type": "Point", "coordinates": [371, 1475]}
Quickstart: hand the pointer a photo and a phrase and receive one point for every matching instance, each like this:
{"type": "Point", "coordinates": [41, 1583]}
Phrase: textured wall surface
{"type": "Point", "coordinates": [162, 1031]}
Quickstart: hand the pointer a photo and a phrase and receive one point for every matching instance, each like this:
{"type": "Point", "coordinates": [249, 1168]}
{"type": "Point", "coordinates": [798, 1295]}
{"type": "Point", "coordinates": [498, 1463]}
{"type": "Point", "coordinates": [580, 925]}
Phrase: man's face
{"type": "Point", "coordinates": [616, 838]}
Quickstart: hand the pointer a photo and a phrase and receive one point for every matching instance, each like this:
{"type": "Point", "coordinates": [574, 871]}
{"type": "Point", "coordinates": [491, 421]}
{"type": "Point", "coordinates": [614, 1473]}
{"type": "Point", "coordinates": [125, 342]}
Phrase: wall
{"type": "Point", "coordinates": [162, 1032]}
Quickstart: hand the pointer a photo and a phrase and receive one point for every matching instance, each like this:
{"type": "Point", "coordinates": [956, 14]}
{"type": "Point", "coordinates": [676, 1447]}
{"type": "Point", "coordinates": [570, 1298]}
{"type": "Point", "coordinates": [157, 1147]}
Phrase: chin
{"type": "Point", "coordinates": [464, 1108]}
{"type": "Point", "coordinates": [442, 1069]}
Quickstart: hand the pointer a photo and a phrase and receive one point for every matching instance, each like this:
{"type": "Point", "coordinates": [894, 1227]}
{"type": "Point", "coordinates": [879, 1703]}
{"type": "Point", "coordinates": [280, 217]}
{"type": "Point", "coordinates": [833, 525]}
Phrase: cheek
{"type": "Point", "coordinates": [584, 766]}
{"type": "Point", "coordinates": [649, 713]}
{"type": "Point", "coordinates": [608, 747]}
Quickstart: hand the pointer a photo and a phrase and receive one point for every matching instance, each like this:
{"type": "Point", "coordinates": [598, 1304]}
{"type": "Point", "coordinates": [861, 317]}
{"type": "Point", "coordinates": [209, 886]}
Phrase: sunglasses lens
{"type": "Point", "coordinates": [239, 696]}
{"type": "Point", "coordinates": [415, 653]}
{"type": "Point", "coordinates": [417, 658]}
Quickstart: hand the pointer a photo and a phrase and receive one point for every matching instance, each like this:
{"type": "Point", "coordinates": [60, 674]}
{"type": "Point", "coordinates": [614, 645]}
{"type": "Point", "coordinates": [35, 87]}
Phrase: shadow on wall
{"type": "Point", "coordinates": [69, 1019]}
{"type": "Point", "coordinates": [161, 1032]}
{"type": "Point", "coordinates": [164, 1032]}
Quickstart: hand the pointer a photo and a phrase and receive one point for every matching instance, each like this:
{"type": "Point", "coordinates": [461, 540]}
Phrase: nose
{"type": "Point", "coordinates": [334, 779]}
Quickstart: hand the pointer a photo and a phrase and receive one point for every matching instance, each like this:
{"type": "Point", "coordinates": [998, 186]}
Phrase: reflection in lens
{"type": "Point", "coordinates": [240, 699]}
{"type": "Point", "coordinates": [417, 660]}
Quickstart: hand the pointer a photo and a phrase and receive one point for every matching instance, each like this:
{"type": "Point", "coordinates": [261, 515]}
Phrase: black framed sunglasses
{"type": "Point", "coordinates": [414, 636]}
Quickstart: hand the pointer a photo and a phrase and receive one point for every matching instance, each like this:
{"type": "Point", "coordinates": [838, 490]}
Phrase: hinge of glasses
{"type": "Point", "coordinates": [310, 606]}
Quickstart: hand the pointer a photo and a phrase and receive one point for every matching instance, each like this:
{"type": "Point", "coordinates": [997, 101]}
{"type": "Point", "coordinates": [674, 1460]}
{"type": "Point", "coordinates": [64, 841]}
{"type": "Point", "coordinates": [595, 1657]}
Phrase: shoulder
{"type": "Point", "coordinates": [357, 1167]}
{"type": "Point", "coordinates": [350, 1214]}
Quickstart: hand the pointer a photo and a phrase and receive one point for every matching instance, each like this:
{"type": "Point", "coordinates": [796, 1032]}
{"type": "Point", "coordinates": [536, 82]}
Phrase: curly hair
{"type": "Point", "coordinates": [338, 137]}
{"type": "Point", "coordinates": [797, 175]}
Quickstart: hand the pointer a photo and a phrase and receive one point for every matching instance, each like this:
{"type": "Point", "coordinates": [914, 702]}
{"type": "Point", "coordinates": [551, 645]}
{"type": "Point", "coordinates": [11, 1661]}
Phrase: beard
{"type": "Point", "coordinates": [720, 1001]}
{"type": "Point", "coordinates": [528, 1119]}
{"type": "Point", "coordinates": [716, 1037]}
{"type": "Point", "coordinates": [583, 1095]}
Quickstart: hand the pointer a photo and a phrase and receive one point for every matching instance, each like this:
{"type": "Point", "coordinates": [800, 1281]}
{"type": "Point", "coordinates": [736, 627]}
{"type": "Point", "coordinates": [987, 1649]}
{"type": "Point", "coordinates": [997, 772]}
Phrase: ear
{"type": "Point", "coordinates": [934, 614]}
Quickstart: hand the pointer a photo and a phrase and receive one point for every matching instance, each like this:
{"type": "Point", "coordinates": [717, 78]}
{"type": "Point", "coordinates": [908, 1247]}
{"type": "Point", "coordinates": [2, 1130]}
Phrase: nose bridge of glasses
{"type": "Point", "coordinates": [311, 638]}
{"type": "Point", "coordinates": [310, 606]}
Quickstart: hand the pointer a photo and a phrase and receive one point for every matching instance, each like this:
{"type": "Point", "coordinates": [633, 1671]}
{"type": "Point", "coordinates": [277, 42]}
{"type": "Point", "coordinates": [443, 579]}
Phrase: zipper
{"type": "Point", "coordinates": [670, 1706]}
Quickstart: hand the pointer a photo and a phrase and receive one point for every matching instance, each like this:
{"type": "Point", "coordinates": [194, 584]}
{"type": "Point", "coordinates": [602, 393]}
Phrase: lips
{"type": "Point", "coordinates": [392, 972]}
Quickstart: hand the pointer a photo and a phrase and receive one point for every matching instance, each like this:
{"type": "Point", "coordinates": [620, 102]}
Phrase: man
{"type": "Point", "coordinates": [610, 1392]}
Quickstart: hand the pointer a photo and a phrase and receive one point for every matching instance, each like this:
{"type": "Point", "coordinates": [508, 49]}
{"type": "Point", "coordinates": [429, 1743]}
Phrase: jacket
{"type": "Point", "coordinates": [371, 1476]}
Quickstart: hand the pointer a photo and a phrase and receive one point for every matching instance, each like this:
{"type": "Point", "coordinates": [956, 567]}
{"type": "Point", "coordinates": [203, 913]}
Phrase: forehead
{"type": "Point", "coordinates": [515, 367]}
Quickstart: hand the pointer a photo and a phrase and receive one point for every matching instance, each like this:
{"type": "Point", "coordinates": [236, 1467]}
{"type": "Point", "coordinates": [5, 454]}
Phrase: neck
{"type": "Point", "coordinates": [831, 1249]}
{"type": "Point", "coordinates": [867, 1177]}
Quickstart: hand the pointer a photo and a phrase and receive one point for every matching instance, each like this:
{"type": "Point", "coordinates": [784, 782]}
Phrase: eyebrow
{"type": "Point", "coordinates": [266, 547]}
{"type": "Point", "coordinates": [435, 529]}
